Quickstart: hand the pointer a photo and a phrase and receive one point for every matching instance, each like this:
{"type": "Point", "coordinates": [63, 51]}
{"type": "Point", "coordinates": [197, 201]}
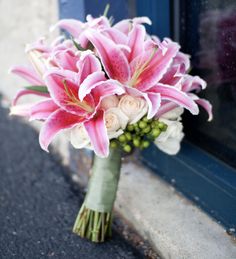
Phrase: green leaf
{"type": "Point", "coordinates": [38, 88]}
{"type": "Point", "coordinates": [77, 45]}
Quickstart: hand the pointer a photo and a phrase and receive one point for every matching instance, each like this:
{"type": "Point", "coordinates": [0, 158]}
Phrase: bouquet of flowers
{"type": "Point", "coordinates": [109, 88]}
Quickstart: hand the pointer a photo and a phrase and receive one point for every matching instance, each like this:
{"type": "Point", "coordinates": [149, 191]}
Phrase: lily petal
{"type": "Point", "coordinates": [158, 65]}
{"type": "Point", "coordinates": [113, 59]}
{"type": "Point", "coordinates": [55, 123]}
{"type": "Point", "coordinates": [176, 96]}
{"type": "Point", "coordinates": [172, 76]}
{"type": "Point", "coordinates": [126, 25]}
{"type": "Point", "coordinates": [66, 59]}
{"type": "Point", "coordinates": [42, 110]}
{"type": "Point", "coordinates": [154, 102]}
{"type": "Point", "coordinates": [191, 83]}
{"type": "Point", "coordinates": [105, 89]}
{"type": "Point", "coordinates": [97, 132]}
{"type": "Point", "coordinates": [183, 60]}
{"type": "Point", "coordinates": [24, 92]}
{"type": "Point", "coordinates": [115, 35]}
{"type": "Point", "coordinates": [142, 19]}
{"type": "Point", "coordinates": [204, 103]}
{"type": "Point", "coordinates": [64, 93]}
{"type": "Point", "coordinates": [74, 27]}
{"type": "Point", "coordinates": [89, 83]}
{"type": "Point", "coordinates": [207, 106]}
{"type": "Point", "coordinates": [28, 74]}
{"type": "Point", "coordinates": [166, 107]}
{"type": "Point", "coordinates": [87, 65]}
{"type": "Point", "coordinates": [136, 41]}
{"type": "Point", "coordinates": [21, 110]}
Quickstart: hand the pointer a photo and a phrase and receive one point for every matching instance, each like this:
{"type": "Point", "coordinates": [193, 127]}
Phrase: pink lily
{"type": "Point", "coordinates": [195, 83]}
{"type": "Point", "coordinates": [59, 54]}
{"type": "Point", "coordinates": [77, 100]}
{"type": "Point", "coordinates": [117, 33]}
{"type": "Point", "coordinates": [141, 69]}
{"type": "Point", "coordinates": [126, 25]}
{"type": "Point", "coordinates": [188, 84]}
{"type": "Point", "coordinates": [77, 28]}
{"type": "Point", "coordinates": [32, 77]}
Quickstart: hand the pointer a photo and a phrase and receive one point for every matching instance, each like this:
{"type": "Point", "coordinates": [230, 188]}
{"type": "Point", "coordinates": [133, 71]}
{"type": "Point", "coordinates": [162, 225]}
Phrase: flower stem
{"type": "Point", "coordinates": [94, 220]}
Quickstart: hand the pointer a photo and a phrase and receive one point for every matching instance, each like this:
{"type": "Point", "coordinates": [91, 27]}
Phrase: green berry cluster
{"type": "Point", "coordinates": [139, 135]}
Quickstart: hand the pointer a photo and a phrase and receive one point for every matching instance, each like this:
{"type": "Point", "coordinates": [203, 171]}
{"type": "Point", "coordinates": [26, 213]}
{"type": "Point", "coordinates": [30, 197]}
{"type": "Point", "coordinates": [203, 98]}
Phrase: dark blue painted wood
{"type": "Point", "coordinates": [159, 12]}
{"type": "Point", "coordinates": [79, 9]}
{"type": "Point", "coordinates": [71, 9]}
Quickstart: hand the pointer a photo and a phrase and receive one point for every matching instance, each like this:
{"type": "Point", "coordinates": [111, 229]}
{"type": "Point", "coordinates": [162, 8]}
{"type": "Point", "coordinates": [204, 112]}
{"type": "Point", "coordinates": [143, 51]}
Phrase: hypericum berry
{"type": "Point", "coordinates": [127, 148]}
{"type": "Point", "coordinates": [147, 129]}
{"type": "Point", "coordinates": [164, 128]}
{"type": "Point", "coordinates": [154, 124]}
{"type": "Point", "coordinates": [155, 133]}
{"type": "Point", "coordinates": [137, 129]}
{"type": "Point", "coordinates": [122, 138]}
{"type": "Point", "coordinates": [161, 125]}
{"type": "Point", "coordinates": [128, 136]}
{"type": "Point", "coordinates": [145, 119]}
{"type": "Point", "coordinates": [113, 144]}
{"type": "Point", "coordinates": [142, 124]}
{"type": "Point", "coordinates": [145, 144]}
{"type": "Point", "coordinates": [136, 142]}
{"type": "Point", "coordinates": [130, 127]}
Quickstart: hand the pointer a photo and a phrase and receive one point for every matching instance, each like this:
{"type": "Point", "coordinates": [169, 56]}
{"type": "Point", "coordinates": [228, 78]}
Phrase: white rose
{"type": "Point", "coordinates": [78, 136]}
{"type": "Point", "coordinates": [169, 140]}
{"type": "Point", "coordinates": [115, 121]}
{"type": "Point", "coordinates": [134, 107]}
{"type": "Point", "coordinates": [173, 114]}
{"type": "Point", "coordinates": [109, 102]}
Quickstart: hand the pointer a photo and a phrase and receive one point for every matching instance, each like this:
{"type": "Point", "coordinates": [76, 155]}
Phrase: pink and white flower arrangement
{"type": "Point", "coordinates": [110, 88]}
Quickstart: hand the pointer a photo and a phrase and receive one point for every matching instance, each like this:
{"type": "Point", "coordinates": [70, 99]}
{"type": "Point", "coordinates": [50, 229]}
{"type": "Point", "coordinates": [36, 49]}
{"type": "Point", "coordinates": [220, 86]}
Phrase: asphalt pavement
{"type": "Point", "coordinates": [39, 202]}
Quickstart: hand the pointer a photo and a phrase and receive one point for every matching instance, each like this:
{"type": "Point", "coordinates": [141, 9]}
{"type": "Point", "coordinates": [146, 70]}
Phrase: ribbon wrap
{"type": "Point", "coordinates": [103, 182]}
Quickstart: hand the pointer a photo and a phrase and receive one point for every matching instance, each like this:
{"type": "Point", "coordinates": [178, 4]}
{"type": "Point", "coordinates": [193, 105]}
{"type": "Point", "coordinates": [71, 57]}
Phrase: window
{"type": "Point", "coordinates": [207, 31]}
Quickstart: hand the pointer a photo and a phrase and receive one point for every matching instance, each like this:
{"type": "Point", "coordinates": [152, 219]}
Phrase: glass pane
{"type": "Point", "coordinates": [208, 33]}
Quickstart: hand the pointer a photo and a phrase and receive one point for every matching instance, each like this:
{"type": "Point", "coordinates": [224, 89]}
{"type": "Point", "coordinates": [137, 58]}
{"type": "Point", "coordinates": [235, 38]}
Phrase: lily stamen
{"type": "Point", "coordinates": [74, 100]}
{"type": "Point", "coordinates": [138, 71]}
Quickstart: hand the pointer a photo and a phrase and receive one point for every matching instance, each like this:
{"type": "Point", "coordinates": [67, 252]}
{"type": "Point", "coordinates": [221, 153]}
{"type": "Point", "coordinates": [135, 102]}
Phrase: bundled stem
{"type": "Point", "coordinates": [93, 225]}
{"type": "Point", "coordinates": [95, 216]}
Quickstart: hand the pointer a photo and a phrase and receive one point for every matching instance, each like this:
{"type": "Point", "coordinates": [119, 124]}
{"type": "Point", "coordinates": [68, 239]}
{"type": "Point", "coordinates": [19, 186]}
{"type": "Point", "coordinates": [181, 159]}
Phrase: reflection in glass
{"type": "Point", "coordinates": [208, 34]}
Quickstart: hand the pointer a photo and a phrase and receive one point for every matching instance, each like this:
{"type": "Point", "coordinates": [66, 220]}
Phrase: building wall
{"type": "Point", "coordinates": [21, 22]}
